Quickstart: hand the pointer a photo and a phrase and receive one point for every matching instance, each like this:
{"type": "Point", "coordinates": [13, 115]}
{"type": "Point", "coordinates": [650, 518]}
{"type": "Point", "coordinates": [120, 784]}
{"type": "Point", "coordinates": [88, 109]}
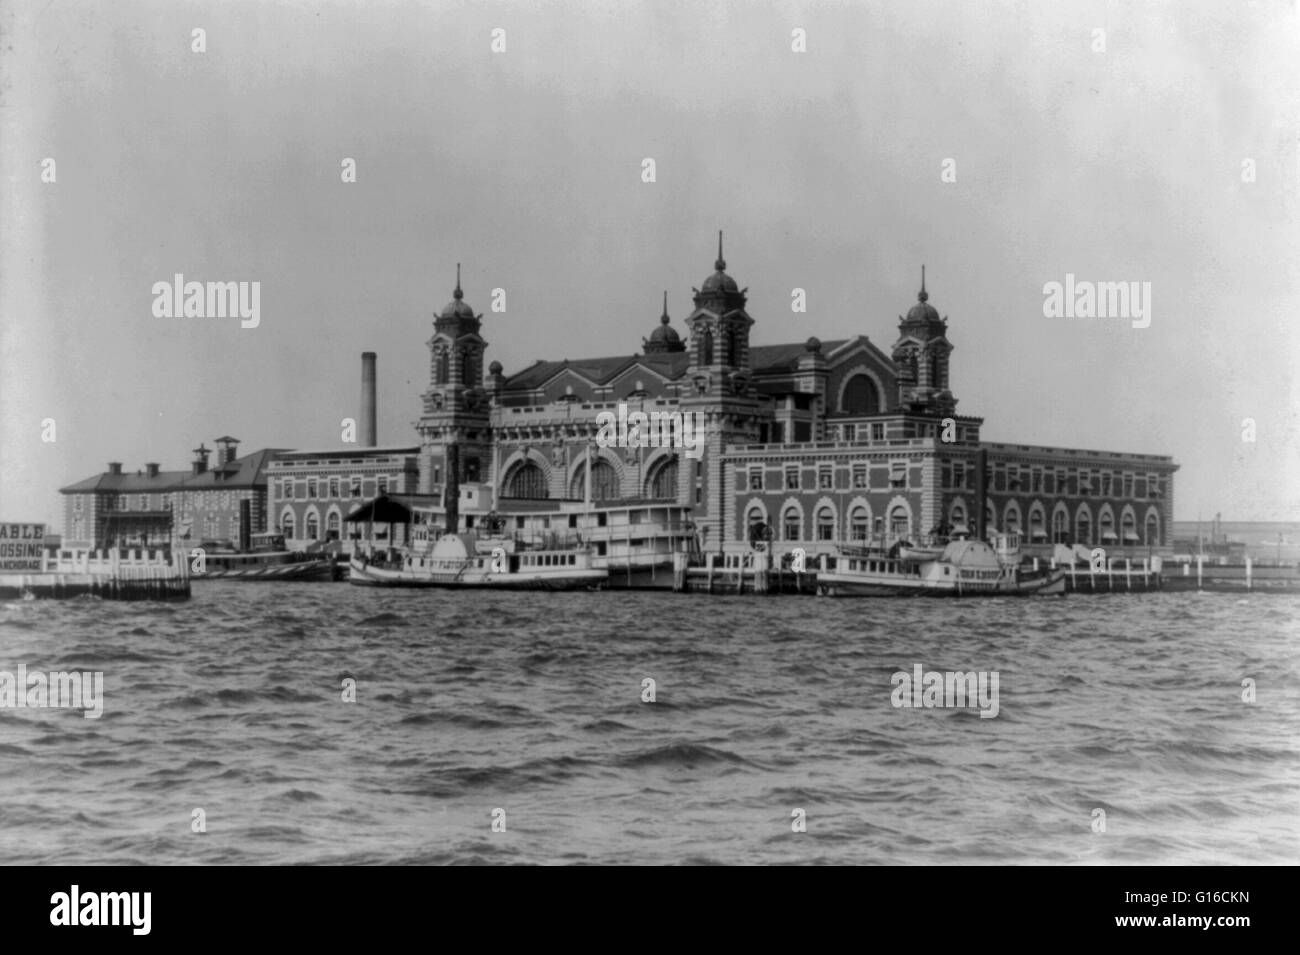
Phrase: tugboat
{"type": "Point", "coordinates": [966, 568]}
{"type": "Point", "coordinates": [458, 560]}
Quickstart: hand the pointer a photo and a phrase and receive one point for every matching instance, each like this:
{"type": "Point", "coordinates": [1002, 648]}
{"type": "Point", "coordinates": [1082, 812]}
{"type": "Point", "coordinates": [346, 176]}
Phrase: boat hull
{"type": "Point", "coordinates": [854, 585]}
{"type": "Point", "coordinates": [370, 575]}
{"type": "Point", "coordinates": [307, 570]}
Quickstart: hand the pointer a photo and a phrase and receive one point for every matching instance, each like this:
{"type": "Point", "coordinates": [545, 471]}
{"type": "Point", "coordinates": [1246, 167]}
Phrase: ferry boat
{"type": "Point", "coordinates": [267, 559]}
{"type": "Point", "coordinates": [966, 568]}
{"type": "Point", "coordinates": [461, 560]}
{"type": "Point", "coordinates": [634, 541]}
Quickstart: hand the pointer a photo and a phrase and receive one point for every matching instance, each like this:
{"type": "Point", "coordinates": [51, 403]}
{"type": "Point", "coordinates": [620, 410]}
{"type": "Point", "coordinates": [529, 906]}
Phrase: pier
{"type": "Point", "coordinates": [115, 574]}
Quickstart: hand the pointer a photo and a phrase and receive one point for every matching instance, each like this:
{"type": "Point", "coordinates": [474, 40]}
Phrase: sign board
{"type": "Point", "coordinates": [21, 546]}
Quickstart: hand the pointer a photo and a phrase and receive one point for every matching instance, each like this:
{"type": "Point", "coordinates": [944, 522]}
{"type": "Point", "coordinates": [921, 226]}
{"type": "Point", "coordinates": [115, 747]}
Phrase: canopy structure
{"type": "Point", "coordinates": [381, 510]}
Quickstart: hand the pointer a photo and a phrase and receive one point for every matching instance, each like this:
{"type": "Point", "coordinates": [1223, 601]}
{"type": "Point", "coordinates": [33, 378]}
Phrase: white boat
{"type": "Point", "coordinates": [966, 568]}
{"type": "Point", "coordinates": [460, 560]}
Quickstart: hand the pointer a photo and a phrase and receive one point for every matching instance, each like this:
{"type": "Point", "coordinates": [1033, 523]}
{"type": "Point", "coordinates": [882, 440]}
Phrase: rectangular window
{"type": "Point", "coordinates": [792, 479]}
{"type": "Point", "coordinates": [848, 432]}
{"type": "Point", "coordinates": [334, 487]}
{"type": "Point", "coordinates": [878, 432]}
{"type": "Point", "coordinates": [1049, 482]}
{"type": "Point", "coordinates": [824, 478]}
{"type": "Point", "coordinates": [1128, 484]}
{"type": "Point", "coordinates": [381, 483]}
{"type": "Point", "coordinates": [311, 489]}
{"type": "Point", "coordinates": [1036, 480]}
{"type": "Point", "coordinates": [859, 475]}
{"type": "Point", "coordinates": [354, 486]}
{"type": "Point", "coordinates": [756, 479]}
{"type": "Point", "coordinates": [958, 474]}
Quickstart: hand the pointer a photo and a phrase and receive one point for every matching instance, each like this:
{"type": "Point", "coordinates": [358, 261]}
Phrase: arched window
{"type": "Point", "coordinates": [898, 521]}
{"type": "Point", "coordinates": [1037, 528]}
{"type": "Point", "coordinates": [1153, 531]}
{"type": "Point", "coordinates": [332, 526]}
{"type": "Point", "coordinates": [1129, 534]}
{"type": "Point", "coordinates": [604, 482]}
{"type": "Point", "coordinates": [790, 525]}
{"type": "Point", "coordinates": [861, 396]}
{"type": "Point", "coordinates": [1107, 525]}
{"type": "Point", "coordinates": [756, 527]}
{"type": "Point", "coordinates": [1060, 527]}
{"type": "Point", "coordinates": [528, 481]}
{"type": "Point", "coordinates": [443, 369]}
{"type": "Point", "coordinates": [858, 526]}
{"type": "Point", "coordinates": [825, 524]}
{"type": "Point", "coordinates": [286, 524]}
{"type": "Point", "coordinates": [706, 348]}
{"type": "Point", "coordinates": [731, 346]}
{"type": "Point", "coordinates": [663, 482]}
{"type": "Point", "coordinates": [313, 526]}
{"type": "Point", "coordinates": [1083, 528]}
{"type": "Point", "coordinates": [958, 516]}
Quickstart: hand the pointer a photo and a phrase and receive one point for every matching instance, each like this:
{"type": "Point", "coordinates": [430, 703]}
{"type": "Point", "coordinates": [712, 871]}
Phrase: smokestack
{"type": "Point", "coordinates": [114, 467]}
{"type": "Point", "coordinates": [151, 469]}
{"type": "Point", "coordinates": [245, 524]}
{"type": "Point", "coordinates": [369, 434]}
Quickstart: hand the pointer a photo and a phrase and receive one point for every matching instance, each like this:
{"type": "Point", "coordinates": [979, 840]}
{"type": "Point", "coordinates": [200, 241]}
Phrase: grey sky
{"type": "Point", "coordinates": [823, 168]}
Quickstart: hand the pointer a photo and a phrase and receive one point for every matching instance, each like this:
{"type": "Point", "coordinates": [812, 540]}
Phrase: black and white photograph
{"type": "Point", "coordinates": [650, 433]}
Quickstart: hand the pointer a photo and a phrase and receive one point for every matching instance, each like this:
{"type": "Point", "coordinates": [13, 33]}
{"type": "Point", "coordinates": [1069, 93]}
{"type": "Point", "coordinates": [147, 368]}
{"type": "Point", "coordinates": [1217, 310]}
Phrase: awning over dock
{"type": "Point", "coordinates": [381, 510]}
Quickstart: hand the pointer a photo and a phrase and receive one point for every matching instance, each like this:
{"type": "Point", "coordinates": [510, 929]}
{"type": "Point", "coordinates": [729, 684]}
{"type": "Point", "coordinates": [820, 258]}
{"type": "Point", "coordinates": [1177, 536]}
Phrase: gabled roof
{"type": "Point", "coordinates": [598, 371]}
{"type": "Point", "coordinates": [775, 358]}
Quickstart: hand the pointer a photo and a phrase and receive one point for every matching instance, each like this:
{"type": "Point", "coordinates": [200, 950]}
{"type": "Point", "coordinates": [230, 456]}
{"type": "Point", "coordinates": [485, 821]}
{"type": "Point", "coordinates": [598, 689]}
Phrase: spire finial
{"type": "Point", "coordinates": [458, 294]}
{"type": "Point", "coordinates": [922, 295]}
{"type": "Point", "coordinates": [721, 264]}
{"type": "Point", "coordinates": [664, 317]}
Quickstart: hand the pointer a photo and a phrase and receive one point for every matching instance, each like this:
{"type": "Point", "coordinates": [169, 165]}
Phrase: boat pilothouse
{"type": "Point", "coordinates": [964, 568]}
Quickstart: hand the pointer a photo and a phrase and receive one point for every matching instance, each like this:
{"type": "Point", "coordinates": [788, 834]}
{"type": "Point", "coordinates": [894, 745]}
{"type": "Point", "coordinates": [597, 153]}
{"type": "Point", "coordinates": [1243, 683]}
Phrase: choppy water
{"type": "Point", "coordinates": [530, 703]}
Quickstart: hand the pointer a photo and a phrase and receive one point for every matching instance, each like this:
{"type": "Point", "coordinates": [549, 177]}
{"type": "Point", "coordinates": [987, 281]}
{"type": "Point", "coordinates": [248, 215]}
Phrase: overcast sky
{"type": "Point", "coordinates": [823, 167]}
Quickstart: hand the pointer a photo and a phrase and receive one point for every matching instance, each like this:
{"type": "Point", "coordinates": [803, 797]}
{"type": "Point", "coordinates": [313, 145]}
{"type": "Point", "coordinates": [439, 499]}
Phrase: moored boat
{"type": "Point", "coordinates": [458, 560]}
{"type": "Point", "coordinates": [966, 568]}
{"type": "Point", "coordinates": [268, 559]}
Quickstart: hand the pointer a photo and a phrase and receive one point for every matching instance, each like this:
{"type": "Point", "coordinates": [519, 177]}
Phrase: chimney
{"type": "Point", "coordinates": [200, 464]}
{"type": "Point", "coordinates": [114, 467]}
{"type": "Point", "coordinates": [151, 469]}
{"type": "Point", "coordinates": [227, 450]}
{"type": "Point", "coordinates": [368, 425]}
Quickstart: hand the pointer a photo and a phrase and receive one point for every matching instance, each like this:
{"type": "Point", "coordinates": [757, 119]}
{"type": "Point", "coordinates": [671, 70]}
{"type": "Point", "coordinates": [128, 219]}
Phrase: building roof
{"type": "Point", "coordinates": [352, 452]}
{"type": "Point", "coordinates": [774, 358]}
{"type": "Point", "coordinates": [126, 483]}
{"type": "Point", "coordinates": [246, 472]}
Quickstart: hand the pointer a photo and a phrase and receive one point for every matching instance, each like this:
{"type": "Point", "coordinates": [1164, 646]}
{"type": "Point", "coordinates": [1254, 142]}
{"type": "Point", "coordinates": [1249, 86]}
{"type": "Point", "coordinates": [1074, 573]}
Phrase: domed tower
{"type": "Point", "coordinates": [664, 338]}
{"type": "Point", "coordinates": [456, 407]}
{"type": "Point", "coordinates": [719, 329]}
{"type": "Point", "coordinates": [720, 388]}
{"type": "Point", "coordinates": [921, 354]}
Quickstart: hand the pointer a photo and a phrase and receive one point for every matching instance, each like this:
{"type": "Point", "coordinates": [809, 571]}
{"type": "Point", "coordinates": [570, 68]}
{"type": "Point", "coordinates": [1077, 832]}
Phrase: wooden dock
{"type": "Point", "coordinates": [110, 575]}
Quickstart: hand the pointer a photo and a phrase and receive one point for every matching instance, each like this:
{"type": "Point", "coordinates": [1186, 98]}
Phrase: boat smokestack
{"type": "Point", "coordinates": [369, 432]}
